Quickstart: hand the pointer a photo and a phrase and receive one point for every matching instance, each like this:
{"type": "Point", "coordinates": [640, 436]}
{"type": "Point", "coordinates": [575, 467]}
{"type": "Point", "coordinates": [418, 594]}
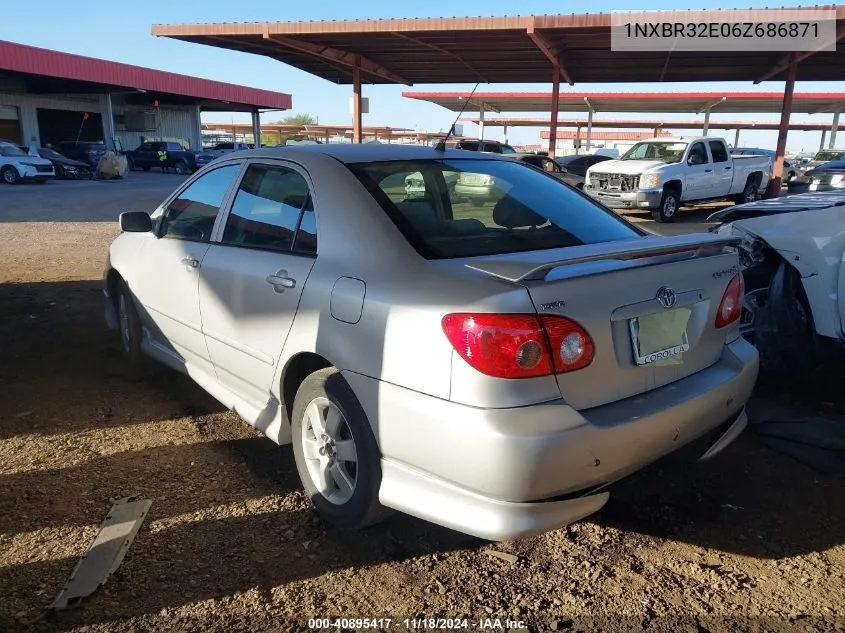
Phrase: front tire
{"type": "Point", "coordinates": [10, 176]}
{"type": "Point", "coordinates": [670, 204]}
{"type": "Point", "coordinates": [336, 454]}
{"type": "Point", "coordinates": [129, 329]}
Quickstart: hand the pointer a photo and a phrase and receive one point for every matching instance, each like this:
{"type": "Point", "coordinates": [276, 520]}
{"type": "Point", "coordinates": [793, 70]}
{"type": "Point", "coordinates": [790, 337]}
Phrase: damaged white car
{"type": "Point", "coordinates": [792, 257]}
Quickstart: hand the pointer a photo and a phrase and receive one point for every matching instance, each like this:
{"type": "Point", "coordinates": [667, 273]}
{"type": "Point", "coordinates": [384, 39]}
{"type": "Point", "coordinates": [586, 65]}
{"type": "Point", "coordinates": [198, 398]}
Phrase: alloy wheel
{"type": "Point", "coordinates": [331, 456]}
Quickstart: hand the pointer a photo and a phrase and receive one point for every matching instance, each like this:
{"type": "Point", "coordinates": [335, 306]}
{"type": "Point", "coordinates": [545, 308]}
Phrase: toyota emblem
{"type": "Point", "coordinates": [666, 297]}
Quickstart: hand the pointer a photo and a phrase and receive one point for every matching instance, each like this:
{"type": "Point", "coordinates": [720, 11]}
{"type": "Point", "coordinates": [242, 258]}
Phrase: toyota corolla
{"type": "Point", "coordinates": [489, 368]}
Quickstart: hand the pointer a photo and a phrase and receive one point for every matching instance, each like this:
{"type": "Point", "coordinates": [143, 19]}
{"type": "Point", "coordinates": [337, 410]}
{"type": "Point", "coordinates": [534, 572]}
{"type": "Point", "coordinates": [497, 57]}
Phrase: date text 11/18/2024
{"type": "Point", "coordinates": [421, 624]}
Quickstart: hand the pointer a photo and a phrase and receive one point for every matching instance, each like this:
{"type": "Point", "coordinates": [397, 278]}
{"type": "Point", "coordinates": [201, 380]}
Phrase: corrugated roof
{"type": "Point", "coordinates": [500, 50]}
{"type": "Point", "coordinates": [43, 62]}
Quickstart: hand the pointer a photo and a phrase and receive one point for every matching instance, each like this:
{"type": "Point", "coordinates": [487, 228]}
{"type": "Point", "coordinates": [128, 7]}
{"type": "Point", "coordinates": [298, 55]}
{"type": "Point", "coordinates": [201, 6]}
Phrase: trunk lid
{"type": "Point", "coordinates": [614, 291]}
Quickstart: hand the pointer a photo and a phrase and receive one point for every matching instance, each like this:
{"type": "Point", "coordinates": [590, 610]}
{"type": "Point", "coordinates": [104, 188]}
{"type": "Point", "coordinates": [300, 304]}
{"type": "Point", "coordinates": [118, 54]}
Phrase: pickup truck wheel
{"type": "Point", "coordinates": [336, 454]}
{"type": "Point", "coordinates": [10, 176]}
{"type": "Point", "coordinates": [180, 167]}
{"type": "Point", "coordinates": [749, 194]}
{"type": "Point", "coordinates": [130, 164]}
{"type": "Point", "coordinates": [668, 209]}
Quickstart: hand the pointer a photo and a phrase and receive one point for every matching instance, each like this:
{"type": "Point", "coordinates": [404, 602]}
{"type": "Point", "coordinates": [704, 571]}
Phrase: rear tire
{"type": "Point", "coordinates": [669, 206]}
{"type": "Point", "coordinates": [333, 442]}
{"type": "Point", "coordinates": [180, 167]}
{"type": "Point", "coordinates": [749, 194]}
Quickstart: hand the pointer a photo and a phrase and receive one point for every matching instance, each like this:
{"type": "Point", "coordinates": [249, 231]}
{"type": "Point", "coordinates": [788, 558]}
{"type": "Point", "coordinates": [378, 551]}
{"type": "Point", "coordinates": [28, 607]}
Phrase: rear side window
{"type": "Point", "coordinates": [267, 209]}
{"type": "Point", "coordinates": [464, 207]}
{"type": "Point", "coordinates": [720, 154]}
{"type": "Point", "coordinates": [191, 216]}
{"type": "Point", "coordinates": [471, 146]}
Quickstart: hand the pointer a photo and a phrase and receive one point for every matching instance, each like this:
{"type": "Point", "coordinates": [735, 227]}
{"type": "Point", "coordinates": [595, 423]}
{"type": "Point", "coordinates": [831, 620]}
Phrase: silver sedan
{"type": "Point", "coordinates": [489, 368]}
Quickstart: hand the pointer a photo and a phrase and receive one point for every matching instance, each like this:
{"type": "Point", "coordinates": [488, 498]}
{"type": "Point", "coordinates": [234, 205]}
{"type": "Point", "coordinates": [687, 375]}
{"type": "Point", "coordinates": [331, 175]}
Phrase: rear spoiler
{"type": "Point", "coordinates": [516, 270]}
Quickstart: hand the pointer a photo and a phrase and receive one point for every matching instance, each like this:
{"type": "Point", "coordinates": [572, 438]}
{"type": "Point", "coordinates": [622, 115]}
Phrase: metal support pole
{"type": "Point", "coordinates": [833, 130]}
{"type": "Point", "coordinates": [706, 122]}
{"type": "Point", "coordinates": [256, 129]}
{"type": "Point", "coordinates": [356, 104]}
{"type": "Point", "coordinates": [783, 129]}
{"type": "Point", "coordinates": [505, 134]}
{"type": "Point", "coordinates": [108, 122]}
{"type": "Point", "coordinates": [589, 128]}
{"type": "Point", "coordinates": [821, 145]}
{"type": "Point", "coordinates": [481, 123]}
{"type": "Point", "coordinates": [736, 138]}
{"type": "Point", "coordinates": [554, 114]}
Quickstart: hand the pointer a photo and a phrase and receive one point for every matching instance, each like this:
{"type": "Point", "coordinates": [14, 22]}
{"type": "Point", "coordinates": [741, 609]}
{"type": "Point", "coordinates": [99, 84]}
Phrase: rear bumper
{"type": "Point", "coordinates": [641, 199]}
{"type": "Point", "coordinates": [507, 473]}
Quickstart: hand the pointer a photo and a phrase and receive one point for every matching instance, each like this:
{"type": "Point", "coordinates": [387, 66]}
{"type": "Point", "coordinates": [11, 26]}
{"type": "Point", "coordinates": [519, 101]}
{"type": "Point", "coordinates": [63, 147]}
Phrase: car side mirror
{"type": "Point", "coordinates": [135, 222]}
{"type": "Point", "coordinates": [563, 170]}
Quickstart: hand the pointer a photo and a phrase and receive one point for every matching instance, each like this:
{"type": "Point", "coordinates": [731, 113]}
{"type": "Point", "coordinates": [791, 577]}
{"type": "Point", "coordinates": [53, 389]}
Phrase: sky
{"type": "Point", "coordinates": [121, 32]}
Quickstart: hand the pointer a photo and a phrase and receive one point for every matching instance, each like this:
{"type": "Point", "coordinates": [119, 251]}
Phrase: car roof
{"type": "Point", "coordinates": [364, 153]}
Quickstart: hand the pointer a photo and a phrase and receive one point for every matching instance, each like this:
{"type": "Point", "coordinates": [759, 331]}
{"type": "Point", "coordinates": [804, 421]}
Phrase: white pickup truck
{"type": "Point", "coordinates": [659, 174]}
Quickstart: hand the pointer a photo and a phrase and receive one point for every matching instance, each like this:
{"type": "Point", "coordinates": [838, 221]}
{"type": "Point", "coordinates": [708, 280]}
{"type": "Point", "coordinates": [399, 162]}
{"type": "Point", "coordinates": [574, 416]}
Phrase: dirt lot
{"type": "Point", "coordinates": [752, 542]}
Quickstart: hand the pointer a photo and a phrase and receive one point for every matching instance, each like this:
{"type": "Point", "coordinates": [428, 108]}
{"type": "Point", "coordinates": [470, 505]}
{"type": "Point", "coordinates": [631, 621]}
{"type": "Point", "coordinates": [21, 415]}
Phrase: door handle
{"type": "Point", "coordinates": [280, 281]}
{"type": "Point", "coordinates": [191, 262]}
{"type": "Point", "coordinates": [727, 168]}
{"type": "Point", "coordinates": [707, 171]}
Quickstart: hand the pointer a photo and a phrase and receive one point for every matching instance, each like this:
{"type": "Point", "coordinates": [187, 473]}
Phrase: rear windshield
{"type": "Point", "coordinates": [465, 208]}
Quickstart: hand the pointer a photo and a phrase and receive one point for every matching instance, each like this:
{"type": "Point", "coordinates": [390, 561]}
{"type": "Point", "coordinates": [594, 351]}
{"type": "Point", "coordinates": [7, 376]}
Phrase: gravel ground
{"type": "Point", "coordinates": [750, 542]}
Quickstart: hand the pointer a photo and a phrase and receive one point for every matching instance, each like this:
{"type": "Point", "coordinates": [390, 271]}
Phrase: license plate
{"type": "Point", "coordinates": [660, 336]}
{"type": "Point", "coordinates": [473, 179]}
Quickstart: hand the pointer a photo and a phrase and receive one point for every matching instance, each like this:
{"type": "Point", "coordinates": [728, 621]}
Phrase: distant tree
{"type": "Point", "coordinates": [300, 119]}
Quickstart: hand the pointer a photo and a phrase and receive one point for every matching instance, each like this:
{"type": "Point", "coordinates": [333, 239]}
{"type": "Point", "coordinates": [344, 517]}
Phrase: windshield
{"type": "Point", "coordinates": [827, 155]}
{"type": "Point", "coordinates": [666, 152]}
{"type": "Point", "coordinates": [11, 150]}
{"type": "Point", "coordinates": [48, 153]}
{"type": "Point", "coordinates": [464, 207]}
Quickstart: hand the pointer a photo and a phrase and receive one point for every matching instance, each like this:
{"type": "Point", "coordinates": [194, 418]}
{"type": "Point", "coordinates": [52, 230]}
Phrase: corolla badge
{"type": "Point", "coordinates": [666, 297]}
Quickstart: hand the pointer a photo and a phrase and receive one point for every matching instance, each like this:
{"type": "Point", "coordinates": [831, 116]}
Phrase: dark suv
{"type": "Point", "coordinates": [86, 151]}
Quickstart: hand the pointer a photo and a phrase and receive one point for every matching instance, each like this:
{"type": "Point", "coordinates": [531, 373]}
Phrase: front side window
{"type": "Point", "coordinates": [468, 207]}
{"type": "Point", "coordinates": [267, 209]}
{"type": "Point", "coordinates": [11, 150]}
{"type": "Point", "coordinates": [697, 154]}
{"type": "Point", "coordinates": [507, 149]}
{"type": "Point", "coordinates": [192, 214]}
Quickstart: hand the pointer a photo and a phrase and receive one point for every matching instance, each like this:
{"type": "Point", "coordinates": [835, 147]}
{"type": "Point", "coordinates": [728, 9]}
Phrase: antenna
{"type": "Point", "coordinates": [441, 146]}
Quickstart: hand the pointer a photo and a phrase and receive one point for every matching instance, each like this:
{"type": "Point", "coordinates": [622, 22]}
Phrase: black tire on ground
{"type": "Point", "coordinates": [477, 202]}
{"type": "Point", "coordinates": [40, 181]}
{"type": "Point", "coordinates": [145, 168]}
{"type": "Point", "coordinates": [10, 175]}
{"type": "Point", "coordinates": [180, 167]}
{"type": "Point", "coordinates": [60, 172]}
{"type": "Point", "coordinates": [580, 186]}
{"type": "Point", "coordinates": [749, 194]}
{"type": "Point", "coordinates": [670, 205]}
{"type": "Point", "coordinates": [130, 163]}
{"type": "Point", "coordinates": [323, 389]}
{"type": "Point", "coordinates": [129, 329]}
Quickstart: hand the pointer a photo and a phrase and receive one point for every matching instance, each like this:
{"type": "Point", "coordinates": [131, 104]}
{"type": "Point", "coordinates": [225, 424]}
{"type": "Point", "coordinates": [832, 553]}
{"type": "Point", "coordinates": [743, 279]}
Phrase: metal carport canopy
{"type": "Point", "coordinates": [649, 124]}
{"type": "Point", "coordinates": [642, 102]}
{"type": "Point", "coordinates": [495, 50]}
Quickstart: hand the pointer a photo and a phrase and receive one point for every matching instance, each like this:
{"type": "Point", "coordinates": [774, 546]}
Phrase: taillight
{"type": "Point", "coordinates": [730, 307]}
{"type": "Point", "coordinates": [518, 345]}
{"type": "Point", "coordinates": [572, 347]}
